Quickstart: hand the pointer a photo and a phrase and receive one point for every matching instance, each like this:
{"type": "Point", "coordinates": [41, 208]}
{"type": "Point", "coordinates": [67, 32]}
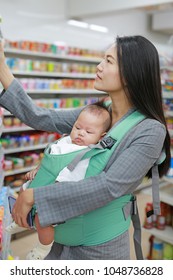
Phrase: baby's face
{"type": "Point", "coordinates": [88, 129]}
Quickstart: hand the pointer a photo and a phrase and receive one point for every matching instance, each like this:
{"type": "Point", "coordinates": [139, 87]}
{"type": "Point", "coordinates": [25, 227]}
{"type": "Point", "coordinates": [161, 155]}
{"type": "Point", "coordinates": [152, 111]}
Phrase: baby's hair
{"type": "Point", "coordinates": [98, 108]}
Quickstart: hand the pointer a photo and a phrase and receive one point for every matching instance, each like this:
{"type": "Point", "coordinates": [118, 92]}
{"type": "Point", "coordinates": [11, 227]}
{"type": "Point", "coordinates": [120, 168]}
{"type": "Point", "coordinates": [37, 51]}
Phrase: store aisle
{"type": "Point", "coordinates": [22, 245]}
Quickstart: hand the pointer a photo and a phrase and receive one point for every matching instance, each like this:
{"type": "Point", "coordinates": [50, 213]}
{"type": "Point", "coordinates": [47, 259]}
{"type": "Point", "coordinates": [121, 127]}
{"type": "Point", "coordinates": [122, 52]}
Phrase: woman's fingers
{"type": "Point", "coordinates": [2, 57]}
{"type": "Point", "coordinates": [21, 221]}
{"type": "Point", "coordinates": [22, 207]}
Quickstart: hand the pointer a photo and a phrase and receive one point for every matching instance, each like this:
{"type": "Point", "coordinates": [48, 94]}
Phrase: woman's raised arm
{"type": "Point", "coordinates": [6, 77]}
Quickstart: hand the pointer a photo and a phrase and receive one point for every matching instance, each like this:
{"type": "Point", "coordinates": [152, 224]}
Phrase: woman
{"type": "Point", "coordinates": [130, 75]}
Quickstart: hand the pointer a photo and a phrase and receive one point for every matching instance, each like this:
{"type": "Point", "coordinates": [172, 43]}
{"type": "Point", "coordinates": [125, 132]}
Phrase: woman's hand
{"type": "Point", "coordinates": [2, 56]}
{"type": "Point", "coordinates": [6, 77]}
{"type": "Point", "coordinates": [22, 207]}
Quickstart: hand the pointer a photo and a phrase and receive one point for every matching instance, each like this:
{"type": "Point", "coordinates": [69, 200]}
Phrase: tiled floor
{"type": "Point", "coordinates": [22, 245]}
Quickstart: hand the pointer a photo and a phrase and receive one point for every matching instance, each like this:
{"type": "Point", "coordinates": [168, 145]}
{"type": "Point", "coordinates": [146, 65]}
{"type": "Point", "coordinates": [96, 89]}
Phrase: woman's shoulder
{"type": "Point", "coordinates": [147, 133]}
{"type": "Point", "coordinates": [148, 122]}
{"type": "Point", "coordinates": [150, 127]}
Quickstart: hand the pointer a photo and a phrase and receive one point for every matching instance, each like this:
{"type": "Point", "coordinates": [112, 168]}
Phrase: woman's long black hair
{"type": "Point", "coordinates": [139, 66]}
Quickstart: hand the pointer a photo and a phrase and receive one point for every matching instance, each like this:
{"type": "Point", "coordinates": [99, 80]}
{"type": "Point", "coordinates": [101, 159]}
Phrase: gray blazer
{"type": "Point", "coordinates": [124, 172]}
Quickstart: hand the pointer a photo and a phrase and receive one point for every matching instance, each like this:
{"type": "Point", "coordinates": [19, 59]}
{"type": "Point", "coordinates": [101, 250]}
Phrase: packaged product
{"type": "Point", "coordinates": [157, 249]}
{"type": "Point", "coordinates": [167, 251]}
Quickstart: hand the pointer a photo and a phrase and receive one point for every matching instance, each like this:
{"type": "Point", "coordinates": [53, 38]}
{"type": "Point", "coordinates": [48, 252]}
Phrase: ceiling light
{"type": "Point", "coordinates": [83, 24]}
{"type": "Point", "coordinates": [78, 23]}
{"type": "Point", "coordinates": [98, 28]}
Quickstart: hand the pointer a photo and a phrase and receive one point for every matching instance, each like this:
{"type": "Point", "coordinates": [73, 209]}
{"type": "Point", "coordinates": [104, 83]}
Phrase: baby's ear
{"type": "Point", "coordinates": [103, 134]}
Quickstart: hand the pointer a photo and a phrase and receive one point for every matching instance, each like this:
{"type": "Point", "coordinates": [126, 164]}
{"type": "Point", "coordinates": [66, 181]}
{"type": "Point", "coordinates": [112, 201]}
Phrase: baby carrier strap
{"type": "Point", "coordinates": [156, 207]}
{"type": "Point", "coordinates": [155, 183]}
{"type": "Point", "coordinates": [131, 209]}
{"type": "Point", "coordinates": [106, 143]}
{"type": "Point", "coordinates": [155, 191]}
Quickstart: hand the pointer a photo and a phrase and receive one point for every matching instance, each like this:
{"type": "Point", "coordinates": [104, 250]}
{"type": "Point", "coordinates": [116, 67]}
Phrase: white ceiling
{"type": "Point", "coordinates": [45, 20]}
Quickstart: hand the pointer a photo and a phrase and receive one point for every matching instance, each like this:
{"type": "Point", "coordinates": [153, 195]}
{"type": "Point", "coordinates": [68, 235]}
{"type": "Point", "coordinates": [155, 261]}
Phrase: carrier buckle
{"type": "Point", "coordinates": [134, 206]}
{"type": "Point", "coordinates": [107, 142]}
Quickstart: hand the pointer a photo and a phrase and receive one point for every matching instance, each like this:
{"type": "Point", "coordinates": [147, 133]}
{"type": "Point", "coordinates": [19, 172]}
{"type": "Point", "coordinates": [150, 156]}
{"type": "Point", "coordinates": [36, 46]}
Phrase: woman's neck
{"type": "Point", "coordinates": [120, 106]}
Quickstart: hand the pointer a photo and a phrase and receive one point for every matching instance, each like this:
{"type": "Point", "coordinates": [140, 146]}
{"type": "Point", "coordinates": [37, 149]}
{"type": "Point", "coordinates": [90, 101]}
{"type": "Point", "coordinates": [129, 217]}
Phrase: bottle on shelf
{"type": "Point", "coordinates": [161, 222]}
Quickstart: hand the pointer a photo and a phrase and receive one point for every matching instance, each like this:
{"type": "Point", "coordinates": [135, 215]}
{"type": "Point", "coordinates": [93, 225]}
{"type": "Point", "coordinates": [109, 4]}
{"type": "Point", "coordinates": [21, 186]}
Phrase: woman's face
{"type": "Point", "coordinates": [107, 74]}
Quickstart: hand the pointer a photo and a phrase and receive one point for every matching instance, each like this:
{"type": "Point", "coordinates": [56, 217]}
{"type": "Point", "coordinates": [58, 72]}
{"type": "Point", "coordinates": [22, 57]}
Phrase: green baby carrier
{"type": "Point", "coordinates": [109, 221]}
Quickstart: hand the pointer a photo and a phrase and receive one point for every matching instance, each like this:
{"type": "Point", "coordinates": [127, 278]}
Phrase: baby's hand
{"type": "Point", "coordinates": [31, 174]}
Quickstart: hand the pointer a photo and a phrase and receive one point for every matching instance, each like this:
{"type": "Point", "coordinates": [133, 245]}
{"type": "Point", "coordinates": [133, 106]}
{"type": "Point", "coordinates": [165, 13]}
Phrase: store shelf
{"type": "Point", "coordinates": [26, 148]}
{"type": "Point", "coordinates": [165, 235]}
{"type": "Point", "coordinates": [166, 67]}
{"type": "Point", "coordinates": [18, 171]}
{"type": "Point", "coordinates": [67, 91]}
{"type": "Point", "coordinates": [166, 192]}
{"type": "Point", "coordinates": [147, 183]}
{"type": "Point", "coordinates": [167, 94]}
{"type": "Point", "coordinates": [166, 196]}
{"type": "Point", "coordinates": [42, 55]}
{"type": "Point", "coordinates": [169, 113]}
{"type": "Point", "coordinates": [144, 184]}
{"type": "Point", "coordinates": [16, 129]}
{"type": "Point", "coordinates": [7, 113]}
{"type": "Point", "coordinates": [168, 179]}
{"type": "Point", "coordinates": [54, 74]}
{"type": "Point", "coordinates": [170, 132]}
